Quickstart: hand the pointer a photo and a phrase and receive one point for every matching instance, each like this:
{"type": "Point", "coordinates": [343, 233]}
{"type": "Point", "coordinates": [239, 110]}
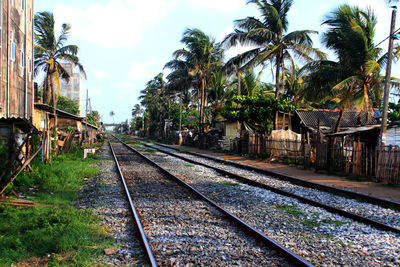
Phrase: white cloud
{"type": "Point", "coordinates": [141, 70]}
{"type": "Point", "coordinates": [100, 74]}
{"type": "Point", "coordinates": [220, 5]}
{"type": "Point", "coordinates": [116, 24]}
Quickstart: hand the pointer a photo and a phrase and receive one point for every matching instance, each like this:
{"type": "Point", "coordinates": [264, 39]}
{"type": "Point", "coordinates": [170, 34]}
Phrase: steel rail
{"type": "Point", "coordinates": [291, 256]}
{"type": "Point", "coordinates": [331, 189]}
{"type": "Point", "coordinates": [248, 181]}
{"type": "Point", "coordinates": [145, 242]}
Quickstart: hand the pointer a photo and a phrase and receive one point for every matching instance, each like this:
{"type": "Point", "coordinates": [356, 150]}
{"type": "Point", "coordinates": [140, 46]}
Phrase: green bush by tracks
{"type": "Point", "coordinates": [58, 234]}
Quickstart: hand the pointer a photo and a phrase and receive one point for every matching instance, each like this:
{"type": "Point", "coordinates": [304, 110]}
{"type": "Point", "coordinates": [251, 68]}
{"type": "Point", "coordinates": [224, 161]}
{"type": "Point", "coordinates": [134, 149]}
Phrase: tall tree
{"type": "Point", "coordinates": [354, 79]}
{"type": "Point", "coordinates": [50, 51]}
{"type": "Point", "coordinates": [269, 40]}
{"type": "Point", "coordinates": [201, 56]}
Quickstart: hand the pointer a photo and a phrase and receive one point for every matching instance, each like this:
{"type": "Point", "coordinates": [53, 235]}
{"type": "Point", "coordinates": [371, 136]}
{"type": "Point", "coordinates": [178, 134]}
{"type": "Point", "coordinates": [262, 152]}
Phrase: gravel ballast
{"type": "Point", "coordinates": [105, 195]}
{"type": "Point", "coordinates": [182, 229]}
{"type": "Point", "coordinates": [323, 238]}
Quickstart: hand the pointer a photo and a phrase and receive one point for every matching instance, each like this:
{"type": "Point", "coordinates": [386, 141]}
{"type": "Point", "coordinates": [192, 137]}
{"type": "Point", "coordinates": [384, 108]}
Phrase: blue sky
{"type": "Point", "coordinates": [125, 43]}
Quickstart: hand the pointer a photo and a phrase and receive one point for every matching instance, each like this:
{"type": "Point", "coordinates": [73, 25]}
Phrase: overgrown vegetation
{"type": "Point", "coordinates": [59, 233]}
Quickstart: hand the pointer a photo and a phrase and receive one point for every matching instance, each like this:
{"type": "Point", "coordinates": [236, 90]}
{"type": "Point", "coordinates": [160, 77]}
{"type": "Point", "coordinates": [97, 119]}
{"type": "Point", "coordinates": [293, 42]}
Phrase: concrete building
{"type": "Point", "coordinates": [16, 65]}
{"type": "Point", "coordinates": [72, 88]}
{"type": "Point", "coordinates": [16, 83]}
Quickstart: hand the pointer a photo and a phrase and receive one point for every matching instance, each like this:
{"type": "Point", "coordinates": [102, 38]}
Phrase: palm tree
{"type": "Point", "coordinates": [179, 82]}
{"type": "Point", "coordinates": [269, 41]}
{"type": "Point", "coordinates": [200, 57]}
{"type": "Point", "coordinates": [112, 114]}
{"type": "Point", "coordinates": [50, 52]}
{"type": "Point", "coordinates": [219, 92]}
{"type": "Point", "coordinates": [355, 78]}
{"type": "Point", "coordinates": [154, 98]}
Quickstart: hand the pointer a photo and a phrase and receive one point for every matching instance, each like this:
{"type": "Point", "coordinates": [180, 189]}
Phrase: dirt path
{"type": "Point", "coordinates": [371, 188]}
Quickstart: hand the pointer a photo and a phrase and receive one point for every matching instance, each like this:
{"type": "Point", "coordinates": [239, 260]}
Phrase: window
{"type": "Point", "coordinates": [12, 2]}
{"type": "Point", "coordinates": [22, 4]}
{"type": "Point", "coordinates": [22, 58]}
{"type": "Point", "coordinates": [12, 46]}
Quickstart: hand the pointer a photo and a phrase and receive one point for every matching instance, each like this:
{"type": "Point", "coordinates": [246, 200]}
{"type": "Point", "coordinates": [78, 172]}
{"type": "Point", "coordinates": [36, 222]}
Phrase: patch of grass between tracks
{"type": "Point", "coordinates": [313, 220]}
{"type": "Point", "coordinates": [58, 234]}
{"type": "Point", "coordinates": [229, 183]}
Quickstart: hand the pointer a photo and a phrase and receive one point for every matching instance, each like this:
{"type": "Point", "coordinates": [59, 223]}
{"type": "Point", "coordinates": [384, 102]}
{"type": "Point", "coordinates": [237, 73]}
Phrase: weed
{"type": "Point", "coordinates": [324, 236]}
{"type": "Point", "coordinates": [293, 210]}
{"type": "Point", "coordinates": [311, 223]}
{"type": "Point", "coordinates": [334, 222]}
{"type": "Point", "coordinates": [71, 236]}
{"type": "Point", "coordinates": [229, 183]}
{"type": "Point", "coordinates": [188, 165]}
{"type": "Point", "coordinates": [341, 243]}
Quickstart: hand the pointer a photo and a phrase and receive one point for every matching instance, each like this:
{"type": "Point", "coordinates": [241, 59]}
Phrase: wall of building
{"type": "Point", "coordinates": [16, 81]}
{"type": "Point", "coordinates": [72, 88]}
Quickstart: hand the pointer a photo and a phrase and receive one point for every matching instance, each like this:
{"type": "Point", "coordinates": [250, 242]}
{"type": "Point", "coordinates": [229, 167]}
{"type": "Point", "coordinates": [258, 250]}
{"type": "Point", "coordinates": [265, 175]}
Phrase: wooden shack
{"type": "Point", "coordinates": [66, 123]}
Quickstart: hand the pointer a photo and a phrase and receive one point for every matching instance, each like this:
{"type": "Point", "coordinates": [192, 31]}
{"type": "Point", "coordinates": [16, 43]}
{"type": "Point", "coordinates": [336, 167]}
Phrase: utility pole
{"type": "Point", "coordinates": [382, 139]}
{"type": "Point", "coordinates": [87, 100]}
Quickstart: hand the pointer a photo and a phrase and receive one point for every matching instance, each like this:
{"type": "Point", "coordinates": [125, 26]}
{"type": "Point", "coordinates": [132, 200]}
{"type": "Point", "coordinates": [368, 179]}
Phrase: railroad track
{"type": "Point", "coordinates": [373, 220]}
{"type": "Point", "coordinates": [179, 225]}
{"type": "Point", "coordinates": [347, 235]}
{"type": "Point", "coordinates": [330, 189]}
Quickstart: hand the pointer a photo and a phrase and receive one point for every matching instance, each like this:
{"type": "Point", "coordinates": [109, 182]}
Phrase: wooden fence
{"type": "Point", "coordinates": [346, 156]}
{"type": "Point", "coordinates": [282, 149]}
{"type": "Point", "coordinates": [388, 165]}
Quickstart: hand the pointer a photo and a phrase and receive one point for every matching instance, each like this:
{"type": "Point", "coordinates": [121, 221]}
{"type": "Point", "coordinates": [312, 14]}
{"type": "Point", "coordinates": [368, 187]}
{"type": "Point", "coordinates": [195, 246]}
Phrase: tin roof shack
{"type": "Point", "coordinates": [311, 121]}
{"type": "Point", "coordinates": [352, 151]}
{"type": "Point", "coordinates": [70, 127]}
{"type": "Point", "coordinates": [16, 82]}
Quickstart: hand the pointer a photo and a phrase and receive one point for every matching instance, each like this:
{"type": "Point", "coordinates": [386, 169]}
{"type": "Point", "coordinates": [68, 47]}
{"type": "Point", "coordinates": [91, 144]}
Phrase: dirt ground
{"type": "Point", "coordinates": [370, 188]}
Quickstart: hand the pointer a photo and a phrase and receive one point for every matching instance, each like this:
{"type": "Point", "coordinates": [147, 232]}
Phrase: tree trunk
{"type": "Point", "coordinates": [337, 126]}
{"type": "Point", "coordinates": [239, 94]}
{"type": "Point", "coordinates": [277, 74]}
{"type": "Point", "coordinates": [277, 85]}
{"type": "Point", "coordinates": [180, 112]}
{"type": "Point", "coordinates": [201, 105]}
{"type": "Point", "coordinates": [53, 90]}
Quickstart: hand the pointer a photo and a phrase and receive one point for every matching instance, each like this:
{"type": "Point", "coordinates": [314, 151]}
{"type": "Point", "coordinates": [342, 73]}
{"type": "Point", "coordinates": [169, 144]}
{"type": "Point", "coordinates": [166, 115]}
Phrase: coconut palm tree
{"type": "Point", "coordinates": [180, 82]}
{"type": "Point", "coordinates": [269, 40]}
{"type": "Point", "coordinates": [50, 52]}
{"type": "Point", "coordinates": [201, 56]}
{"type": "Point", "coordinates": [112, 114]}
{"type": "Point", "coordinates": [354, 79]}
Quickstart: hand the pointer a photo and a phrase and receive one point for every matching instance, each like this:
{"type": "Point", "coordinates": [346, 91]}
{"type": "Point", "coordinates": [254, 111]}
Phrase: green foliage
{"type": "Point", "coordinates": [37, 232]}
{"type": "Point", "coordinates": [3, 154]}
{"type": "Point", "coordinates": [68, 105]}
{"type": "Point", "coordinates": [71, 237]}
{"type": "Point", "coordinates": [394, 111]}
{"type": "Point", "coordinates": [259, 109]}
{"type": "Point", "coordinates": [94, 118]}
{"type": "Point", "coordinates": [63, 175]}
{"type": "Point", "coordinates": [293, 210]}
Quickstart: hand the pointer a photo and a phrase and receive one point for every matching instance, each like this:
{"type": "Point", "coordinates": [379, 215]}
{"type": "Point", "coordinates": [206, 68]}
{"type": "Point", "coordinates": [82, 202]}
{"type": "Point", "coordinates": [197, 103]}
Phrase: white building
{"type": "Point", "coordinates": [72, 89]}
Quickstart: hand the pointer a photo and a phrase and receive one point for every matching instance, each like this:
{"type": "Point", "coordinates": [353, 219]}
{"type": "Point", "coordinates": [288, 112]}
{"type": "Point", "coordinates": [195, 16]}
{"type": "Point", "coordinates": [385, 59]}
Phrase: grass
{"type": "Point", "coordinates": [188, 165]}
{"type": "Point", "coordinates": [60, 233]}
{"type": "Point", "coordinates": [229, 183]}
{"type": "Point", "coordinates": [293, 210]}
{"type": "Point", "coordinates": [314, 221]}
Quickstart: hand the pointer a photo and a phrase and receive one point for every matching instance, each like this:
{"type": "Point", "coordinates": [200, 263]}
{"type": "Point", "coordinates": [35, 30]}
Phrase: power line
{"type": "Point", "coordinates": [388, 37]}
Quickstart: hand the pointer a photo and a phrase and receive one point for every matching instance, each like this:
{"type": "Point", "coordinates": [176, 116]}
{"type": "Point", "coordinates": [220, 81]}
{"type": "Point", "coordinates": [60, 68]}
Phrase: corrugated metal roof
{"type": "Point", "coordinates": [327, 118]}
{"type": "Point", "coordinates": [356, 130]}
